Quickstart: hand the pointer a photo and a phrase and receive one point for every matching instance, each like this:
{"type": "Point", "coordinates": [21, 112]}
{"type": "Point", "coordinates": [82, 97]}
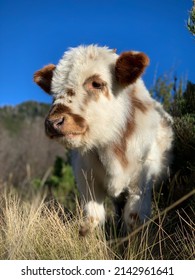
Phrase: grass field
{"type": "Point", "coordinates": [30, 228]}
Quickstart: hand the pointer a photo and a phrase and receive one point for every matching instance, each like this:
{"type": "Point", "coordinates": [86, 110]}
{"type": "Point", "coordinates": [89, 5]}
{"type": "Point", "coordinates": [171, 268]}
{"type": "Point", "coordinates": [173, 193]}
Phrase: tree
{"type": "Point", "coordinates": [191, 20]}
{"type": "Point", "coordinates": [183, 111]}
{"type": "Point", "coordinates": [163, 90]}
{"type": "Point", "coordinates": [180, 104]}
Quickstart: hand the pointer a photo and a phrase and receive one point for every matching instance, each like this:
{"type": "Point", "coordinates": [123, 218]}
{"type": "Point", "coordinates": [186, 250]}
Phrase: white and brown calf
{"type": "Point", "coordinates": [121, 137]}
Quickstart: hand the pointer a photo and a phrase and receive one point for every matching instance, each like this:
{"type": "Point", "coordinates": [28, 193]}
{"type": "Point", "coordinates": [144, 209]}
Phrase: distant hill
{"type": "Point", "coordinates": [25, 151]}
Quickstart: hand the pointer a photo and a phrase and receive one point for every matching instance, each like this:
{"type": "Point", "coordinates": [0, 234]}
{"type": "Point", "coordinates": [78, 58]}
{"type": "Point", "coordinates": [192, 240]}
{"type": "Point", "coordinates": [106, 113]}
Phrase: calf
{"type": "Point", "coordinates": [121, 137]}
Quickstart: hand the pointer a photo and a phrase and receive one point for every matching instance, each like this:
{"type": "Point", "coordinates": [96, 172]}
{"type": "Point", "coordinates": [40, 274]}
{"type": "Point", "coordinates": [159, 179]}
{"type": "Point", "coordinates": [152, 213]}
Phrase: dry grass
{"type": "Point", "coordinates": [29, 229]}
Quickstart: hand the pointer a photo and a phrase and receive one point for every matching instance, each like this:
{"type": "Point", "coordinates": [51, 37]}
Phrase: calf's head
{"type": "Point", "coordinates": [88, 86]}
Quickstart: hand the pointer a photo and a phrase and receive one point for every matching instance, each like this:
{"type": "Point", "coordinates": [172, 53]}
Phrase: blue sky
{"type": "Point", "coordinates": [34, 33]}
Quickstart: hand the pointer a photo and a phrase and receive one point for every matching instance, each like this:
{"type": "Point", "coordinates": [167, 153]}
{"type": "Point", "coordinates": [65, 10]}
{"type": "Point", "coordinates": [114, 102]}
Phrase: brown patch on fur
{"type": "Point", "coordinates": [130, 66]}
{"type": "Point", "coordinates": [91, 56]}
{"type": "Point", "coordinates": [119, 150]}
{"type": "Point", "coordinates": [137, 103]}
{"type": "Point", "coordinates": [94, 86]}
{"type": "Point", "coordinates": [72, 123]}
{"type": "Point", "coordinates": [79, 121]}
{"type": "Point", "coordinates": [121, 147]}
{"type": "Point", "coordinates": [106, 92]}
{"type": "Point", "coordinates": [43, 77]}
{"type": "Point", "coordinates": [61, 97]}
{"type": "Point", "coordinates": [59, 109]}
{"type": "Point", "coordinates": [70, 92]}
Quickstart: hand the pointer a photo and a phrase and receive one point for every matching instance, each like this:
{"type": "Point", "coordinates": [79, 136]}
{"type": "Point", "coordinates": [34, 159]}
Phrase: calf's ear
{"type": "Point", "coordinates": [130, 66]}
{"type": "Point", "coordinates": [43, 77]}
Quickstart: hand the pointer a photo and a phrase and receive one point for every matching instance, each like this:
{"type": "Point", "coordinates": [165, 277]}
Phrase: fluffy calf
{"type": "Point", "coordinates": [121, 137]}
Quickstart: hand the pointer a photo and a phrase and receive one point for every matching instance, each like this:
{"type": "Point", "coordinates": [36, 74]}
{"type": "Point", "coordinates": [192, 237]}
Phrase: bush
{"type": "Point", "coordinates": [191, 20]}
{"type": "Point", "coordinates": [183, 111]}
{"type": "Point", "coordinates": [61, 184]}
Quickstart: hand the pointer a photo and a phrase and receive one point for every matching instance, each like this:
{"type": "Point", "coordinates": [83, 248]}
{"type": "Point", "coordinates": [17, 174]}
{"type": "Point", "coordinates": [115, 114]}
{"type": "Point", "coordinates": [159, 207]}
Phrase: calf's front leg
{"type": "Point", "coordinates": [93, 196]}
{"type": "Point", "coordinates": [138, 207]}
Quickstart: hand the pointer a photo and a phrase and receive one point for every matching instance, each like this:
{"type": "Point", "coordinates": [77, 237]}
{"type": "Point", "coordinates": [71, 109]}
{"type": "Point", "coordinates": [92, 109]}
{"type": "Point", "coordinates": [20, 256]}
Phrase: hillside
{"type": "Point", "coordinates": [25, 151]}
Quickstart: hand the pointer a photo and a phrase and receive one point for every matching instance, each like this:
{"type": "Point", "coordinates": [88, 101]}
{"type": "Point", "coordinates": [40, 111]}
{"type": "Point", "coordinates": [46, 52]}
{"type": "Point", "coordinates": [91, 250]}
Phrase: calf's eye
{"type": "Point", "coordinates": [97, 85]}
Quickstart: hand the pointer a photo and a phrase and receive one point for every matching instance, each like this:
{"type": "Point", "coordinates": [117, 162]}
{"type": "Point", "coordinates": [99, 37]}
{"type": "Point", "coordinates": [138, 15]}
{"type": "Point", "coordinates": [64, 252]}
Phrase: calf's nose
{"type": "Point", "coordinates": [53, 126]}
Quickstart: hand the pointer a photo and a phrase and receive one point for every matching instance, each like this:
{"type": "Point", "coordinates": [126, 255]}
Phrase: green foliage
{"type": "Point", "coordinates": [26, 109]}
{"type": "Point", "coordinates": [33, 109]}
{"type": "Point", "coordinates": [183, 110]}
{"type": "Point", "coordinates": [13, 118]}
{"type": "Point", "coordinates": [191, 20]}
{"type": "Point", "coordinates": [185, 103]}
{"type": "Point", "coordinates": [62, 175]}
{"type": "Point", "coordinates": [12, 124]}
{"type": "Point", "coordinates": [162, 90]}
{"type": "Point", "coordinates": [181, 105]}
{"type": "Point", "coordinates": [61, 183]}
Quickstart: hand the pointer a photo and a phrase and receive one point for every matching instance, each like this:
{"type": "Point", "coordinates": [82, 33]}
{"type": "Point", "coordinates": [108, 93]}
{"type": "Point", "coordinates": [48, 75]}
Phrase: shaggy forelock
{"type": "Point", "coordinates": [76, 63]}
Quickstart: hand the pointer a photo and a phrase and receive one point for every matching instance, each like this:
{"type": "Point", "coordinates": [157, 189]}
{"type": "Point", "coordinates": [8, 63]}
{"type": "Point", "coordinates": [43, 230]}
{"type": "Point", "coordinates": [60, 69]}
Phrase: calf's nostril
{"type": "Point", "coordinates": [58, 122]}
{"type": "Point", "coordinates": [53, 127]}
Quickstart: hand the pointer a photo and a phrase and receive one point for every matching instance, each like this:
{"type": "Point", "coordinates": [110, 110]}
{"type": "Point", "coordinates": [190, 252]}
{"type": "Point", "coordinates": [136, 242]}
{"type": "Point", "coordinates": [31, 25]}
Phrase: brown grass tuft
{"type": "Point", "coordinates": [33, 229]}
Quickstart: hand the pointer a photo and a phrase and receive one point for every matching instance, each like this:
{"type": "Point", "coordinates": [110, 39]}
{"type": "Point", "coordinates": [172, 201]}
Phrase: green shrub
{"type": "Point", "coordinates": [61, 184]}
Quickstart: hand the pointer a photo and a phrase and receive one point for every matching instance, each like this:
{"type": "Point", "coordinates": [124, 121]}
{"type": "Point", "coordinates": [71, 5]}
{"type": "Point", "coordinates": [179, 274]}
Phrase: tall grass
{"type": "Point", "coordinates": [33, 229]}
